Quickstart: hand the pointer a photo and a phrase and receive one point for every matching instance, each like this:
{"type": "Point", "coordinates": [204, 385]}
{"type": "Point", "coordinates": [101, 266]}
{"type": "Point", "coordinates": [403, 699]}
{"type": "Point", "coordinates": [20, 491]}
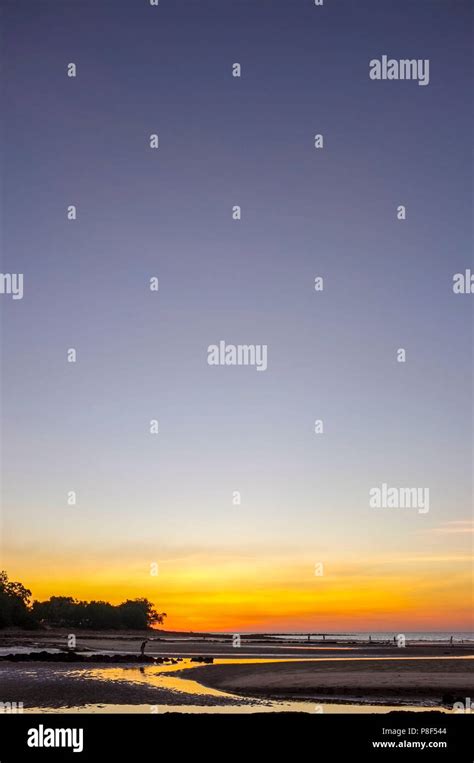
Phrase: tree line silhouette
{"type": "Point", "coordinates": [17, 609]}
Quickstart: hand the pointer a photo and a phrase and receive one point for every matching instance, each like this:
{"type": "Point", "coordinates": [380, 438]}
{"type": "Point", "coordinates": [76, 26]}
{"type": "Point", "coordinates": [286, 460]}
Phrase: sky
{"type": "Point", "coordinates": [169, 498]}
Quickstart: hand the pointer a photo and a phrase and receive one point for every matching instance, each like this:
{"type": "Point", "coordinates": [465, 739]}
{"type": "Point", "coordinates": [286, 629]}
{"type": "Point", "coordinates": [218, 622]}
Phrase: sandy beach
{"type": "Point", "coordinates": [363, 678]}
{"type": "Point", "coordinates": [106, 669]}
{"type": "Point", "coordinates": [40, 685]}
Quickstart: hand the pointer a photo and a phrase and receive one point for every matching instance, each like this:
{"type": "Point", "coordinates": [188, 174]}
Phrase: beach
{"type": "Point", "coordinates": [107, 669]}
{"type": "Point", "coordinates": [411, 679]}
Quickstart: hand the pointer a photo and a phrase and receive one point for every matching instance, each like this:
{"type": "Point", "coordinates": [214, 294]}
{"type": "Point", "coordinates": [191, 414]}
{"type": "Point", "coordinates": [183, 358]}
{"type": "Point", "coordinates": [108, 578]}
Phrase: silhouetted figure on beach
{"type": "Point", "coordinates": [142, 648]}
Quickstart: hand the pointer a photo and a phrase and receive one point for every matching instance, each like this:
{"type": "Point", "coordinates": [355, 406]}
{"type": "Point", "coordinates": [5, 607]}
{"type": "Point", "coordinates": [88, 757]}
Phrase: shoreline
{"type": "Point", "coordinates": [58, 687]}
{"type": "Point", "coordinates": [107, 669]}
{"type": "Point", "coordinates": [376, 681]}
{"type": "Point", "coordinates": [414, 682]}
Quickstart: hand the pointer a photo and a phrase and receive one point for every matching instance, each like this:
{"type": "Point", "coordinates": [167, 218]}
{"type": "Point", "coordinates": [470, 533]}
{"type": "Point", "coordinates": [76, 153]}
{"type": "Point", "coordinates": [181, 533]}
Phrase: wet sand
{"type": "Point", "coordinates": [341, 671]}
{"type": "Point", "coordinates": [428, 681]}
{"type": "Point", "coordinates": [59, 686]}
{"type": "Point", "coordinates": [422, 680]}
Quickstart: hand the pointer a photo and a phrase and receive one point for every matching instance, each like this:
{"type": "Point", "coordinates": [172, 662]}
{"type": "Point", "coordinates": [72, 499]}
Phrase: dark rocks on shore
{"type": "Point", "coordinates": [207, 660]}
{"type": "Point", "coordinates": [71, 656]}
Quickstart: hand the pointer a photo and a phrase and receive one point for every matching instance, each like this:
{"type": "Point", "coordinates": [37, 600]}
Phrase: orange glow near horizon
{"type": "Point", "coordinates": [242, 594]}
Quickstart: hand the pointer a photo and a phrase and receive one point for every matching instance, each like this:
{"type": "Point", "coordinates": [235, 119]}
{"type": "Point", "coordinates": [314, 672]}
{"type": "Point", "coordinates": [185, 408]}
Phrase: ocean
{"type": "Point", "coordinates": [410, 636]}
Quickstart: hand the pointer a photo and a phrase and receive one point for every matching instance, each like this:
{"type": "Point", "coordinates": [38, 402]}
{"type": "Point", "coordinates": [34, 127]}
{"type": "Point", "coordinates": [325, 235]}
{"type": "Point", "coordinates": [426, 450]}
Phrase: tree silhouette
{"type": "Point", "coordinates": [67, 612]}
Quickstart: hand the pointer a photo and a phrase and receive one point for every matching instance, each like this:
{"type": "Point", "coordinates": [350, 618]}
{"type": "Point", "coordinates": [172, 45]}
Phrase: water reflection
{"type": "Point", "coordinates": [217, 701]}
{"type": "Point", "coordinates": [156, 675]}
{"type": "Point", "coordinates": [274, 706]}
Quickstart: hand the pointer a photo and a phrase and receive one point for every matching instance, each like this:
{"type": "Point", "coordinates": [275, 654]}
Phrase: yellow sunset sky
{"type": "Point", "coordinates": [247, 590]}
